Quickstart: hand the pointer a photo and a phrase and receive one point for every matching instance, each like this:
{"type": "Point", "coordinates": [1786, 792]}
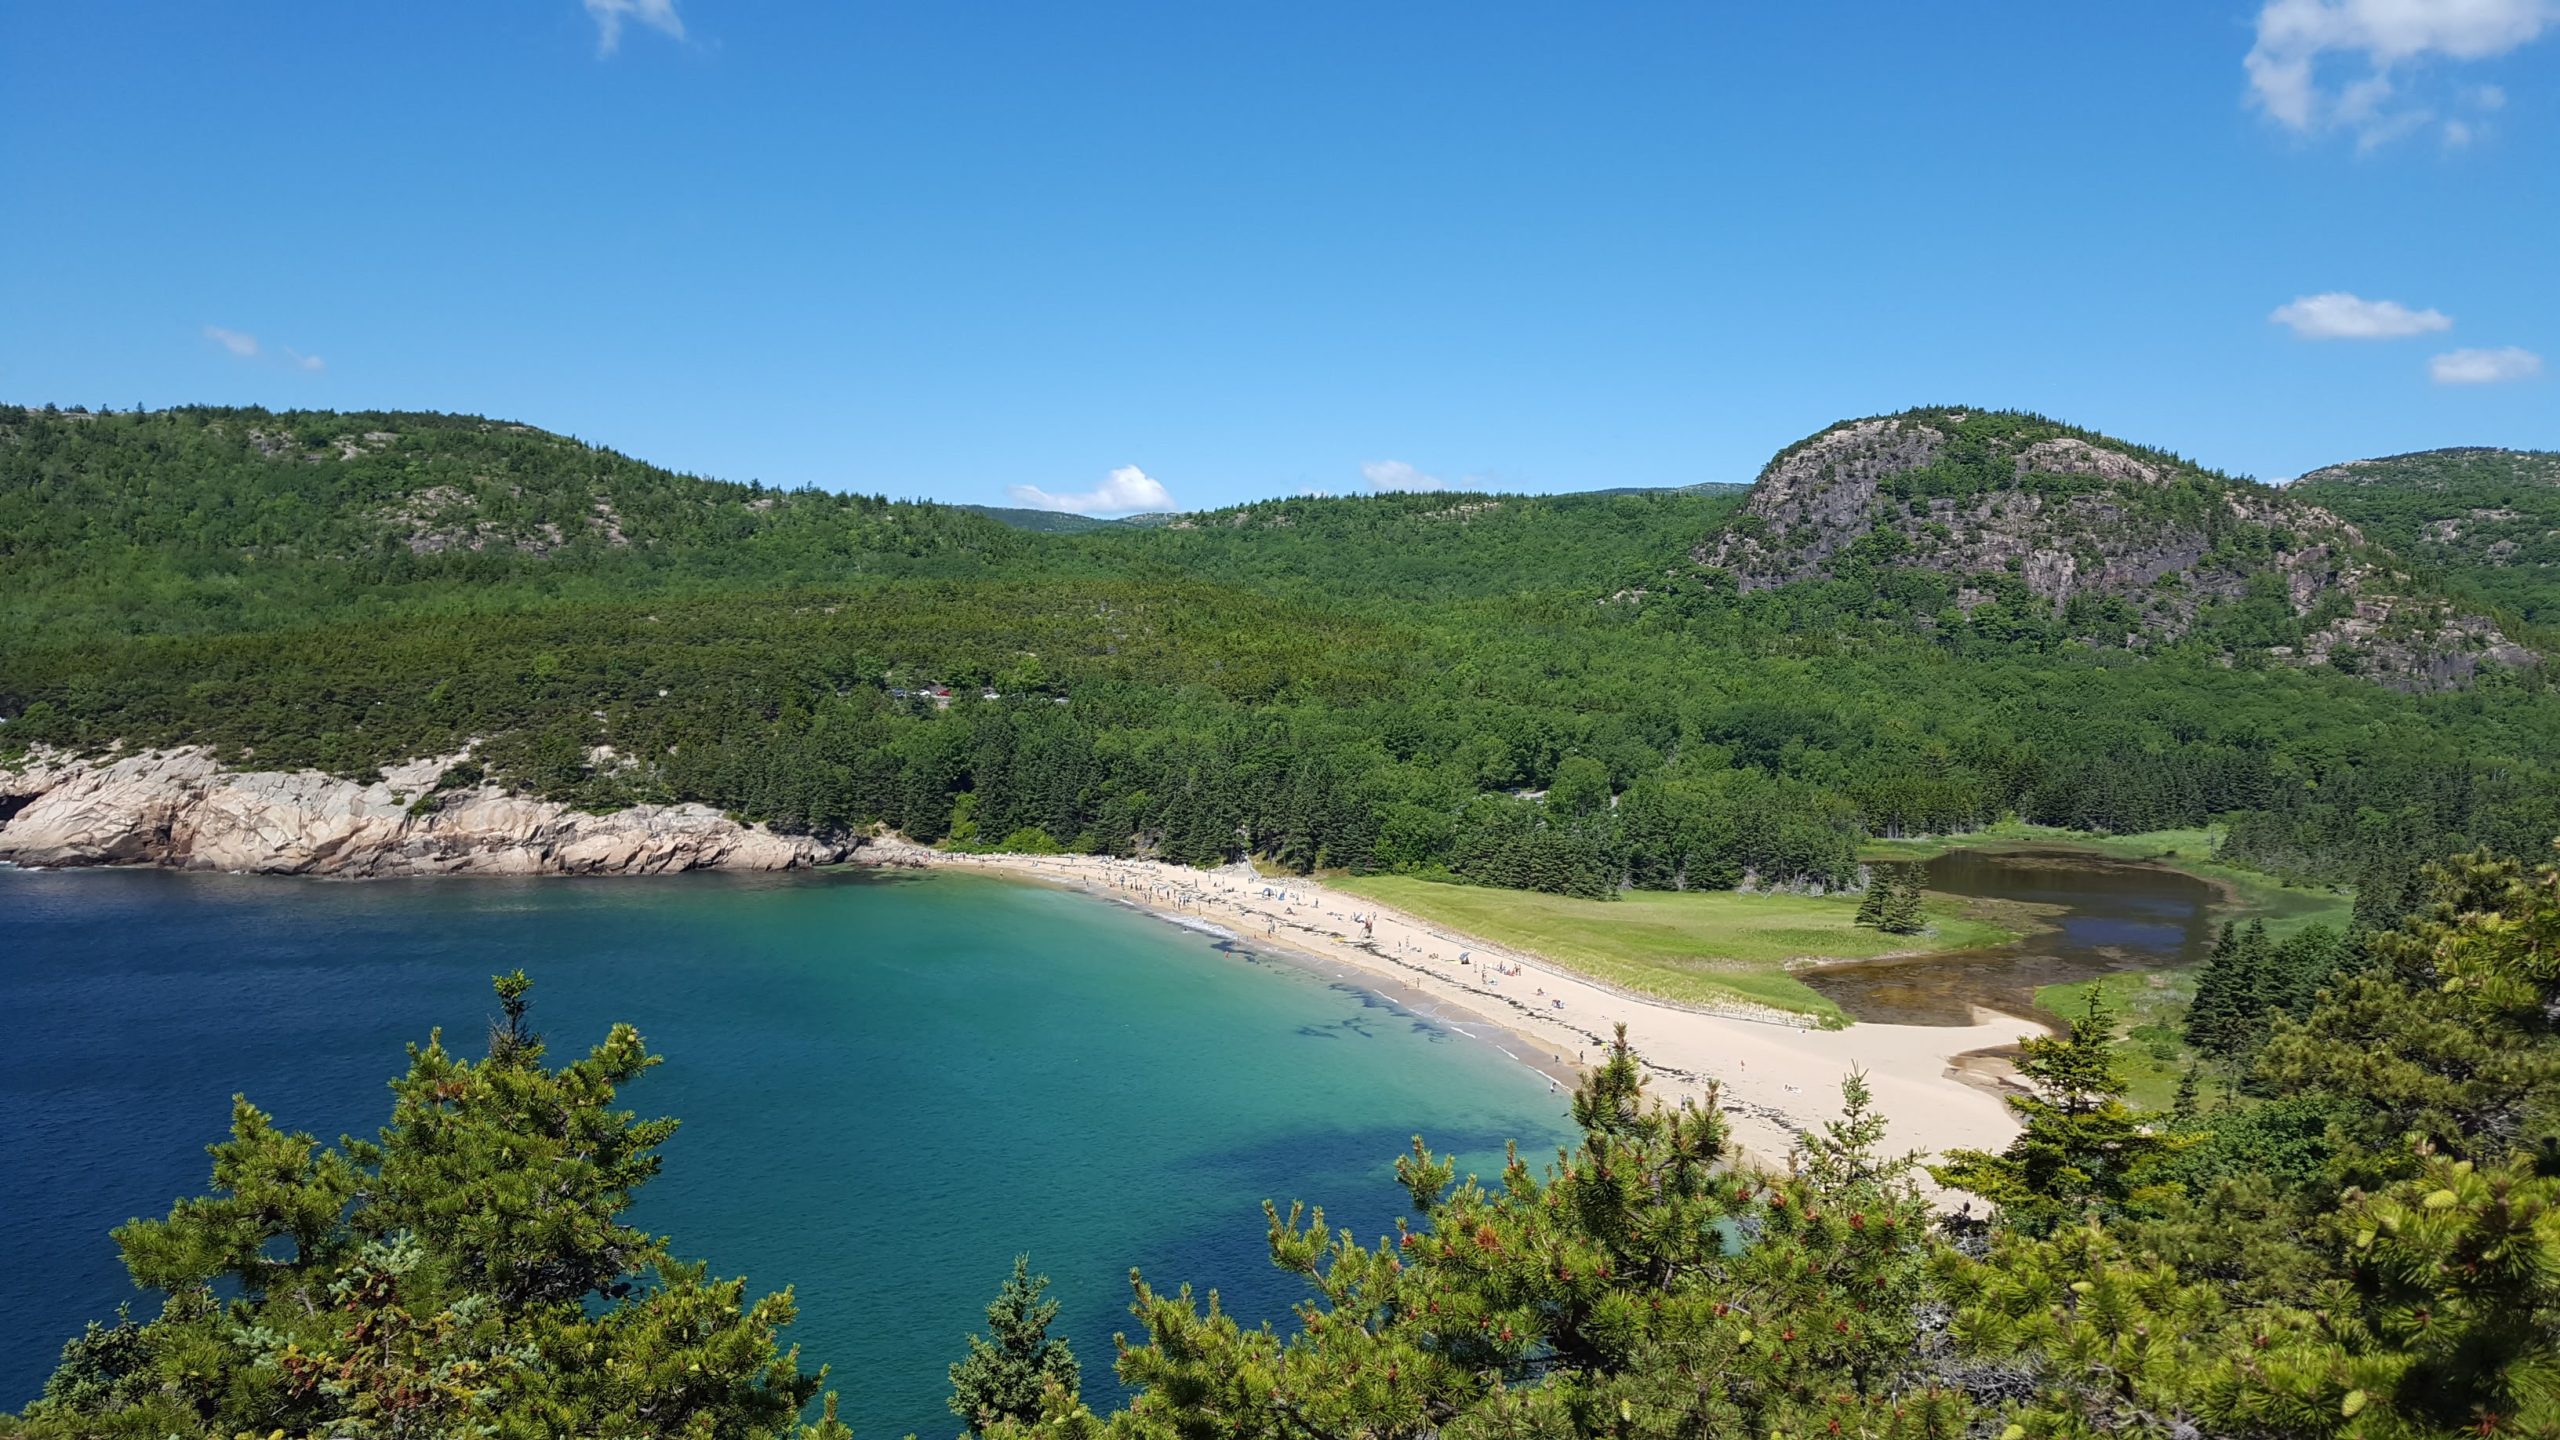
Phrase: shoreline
{"type": "Point", "coordinates": [1774, 1076]}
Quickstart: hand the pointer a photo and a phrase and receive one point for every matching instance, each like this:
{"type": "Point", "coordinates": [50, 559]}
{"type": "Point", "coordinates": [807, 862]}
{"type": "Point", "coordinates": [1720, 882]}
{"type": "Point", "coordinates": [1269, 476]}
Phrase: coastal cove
{"type": "Point", "coordinates": [1931, 1026]}
{"type": "Point", "coordinates": [974, 1068]}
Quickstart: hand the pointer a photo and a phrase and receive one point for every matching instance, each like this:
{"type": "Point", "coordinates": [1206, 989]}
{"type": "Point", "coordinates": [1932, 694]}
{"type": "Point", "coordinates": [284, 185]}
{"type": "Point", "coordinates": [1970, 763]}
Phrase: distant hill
{"type": "Point", "coordinates": [2487, 520]}
{"type": "Point", "coordinates": [214, 518]}
{"type": "Point", "coordinates": [1045, 522]}
{"type": "Point", "coordinates": [1052, 522]}
{"type": "Point", "coordinates": [1975, 517]}
{"type": "Point", "coordinates": [1703, 487]}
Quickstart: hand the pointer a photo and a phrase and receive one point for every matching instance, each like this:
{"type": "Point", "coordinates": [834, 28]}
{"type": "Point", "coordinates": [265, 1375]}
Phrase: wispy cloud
{"type": "Point", "coordinates": [2338, 315]}
{"type": "Point", "coordinates": [611, 15]}
{"type": "Point", "coordinates": [2484, 367]}
{"type": "Point", "coordinates": [1124, 491]}
{"type": "Point", "coordinates": [2301, 44]}
{"type": "Point", "coordinates": [1385, 475]}
{"type": "Point", "coordinates": [245, 346]}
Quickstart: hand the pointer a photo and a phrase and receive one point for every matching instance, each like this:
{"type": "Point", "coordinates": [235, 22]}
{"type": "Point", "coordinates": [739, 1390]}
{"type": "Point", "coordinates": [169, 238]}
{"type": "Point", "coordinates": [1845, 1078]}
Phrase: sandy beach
{"type": "Point", "coordinates": [1778, 1075]}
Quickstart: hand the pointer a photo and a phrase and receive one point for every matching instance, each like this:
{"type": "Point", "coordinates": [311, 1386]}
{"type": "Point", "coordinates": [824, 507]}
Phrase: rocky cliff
{"type": "Point", "coordinates": [2124, 544]}
{"type": "Point", "coordinates": [178, 808]}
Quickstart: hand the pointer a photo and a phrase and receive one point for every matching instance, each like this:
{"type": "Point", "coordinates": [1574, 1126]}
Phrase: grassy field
{"type": "Point", "coordinates": [2251, 894]}
{"type": "Point", "coordinates": [1695, 946]}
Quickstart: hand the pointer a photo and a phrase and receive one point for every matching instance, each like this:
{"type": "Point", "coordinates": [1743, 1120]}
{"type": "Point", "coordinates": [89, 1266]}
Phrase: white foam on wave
{"type": "Point", "coordinates": [1189, 923]}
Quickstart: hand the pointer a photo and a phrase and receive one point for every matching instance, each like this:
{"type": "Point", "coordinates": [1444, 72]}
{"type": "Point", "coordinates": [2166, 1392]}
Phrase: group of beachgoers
{"type": "Point", "coordinates": [1280, 906]}
{"type": "Point", "coordinates": [1776, 1070]}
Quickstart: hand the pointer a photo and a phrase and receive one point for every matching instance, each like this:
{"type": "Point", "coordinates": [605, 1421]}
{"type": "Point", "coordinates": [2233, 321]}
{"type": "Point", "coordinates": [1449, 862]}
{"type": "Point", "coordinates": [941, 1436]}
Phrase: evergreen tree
{"type": "Point", "coordinates": [2306, 963]}
{"type": "Point", "coordinates": [2210, 1011]}
{"type": "Point", "coordinates": [2240, 984]}
{"type": "Point", "coordinates": [2256, 988]}
{"type": "Point", "coordinates": [467, 1273]}
{"type": "Point", "coordinates": [1600, 1298]}
{"type": "Point", "coordinates": [2082, 1148]}
{"type": "Point", "coordinates": [1871, 905]}
{"type": "Point", "coordinates": [1902, 914]}
{"type": "Point", "coordinates": [2450, 1036]}
{"type": "Point", "coordinates": [1009, 1373]}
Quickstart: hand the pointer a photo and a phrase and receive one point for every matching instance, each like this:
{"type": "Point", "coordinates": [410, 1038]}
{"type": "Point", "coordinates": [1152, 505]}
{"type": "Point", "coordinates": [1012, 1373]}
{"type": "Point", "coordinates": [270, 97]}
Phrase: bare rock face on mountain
{"type": "Point", "coordinates": [179, 809]}
{"type": "Point", "coordinates": [2114, 543]}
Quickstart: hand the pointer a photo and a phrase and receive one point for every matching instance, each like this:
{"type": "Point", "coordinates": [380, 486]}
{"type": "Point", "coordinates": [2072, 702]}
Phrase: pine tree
{"type": "Point", "coordinates": [1599, 1297]}
{"type": "Point", "coordinates": [2256, 989]}
{"type": "Point", "coordinates": [467, 1273]}
{"type": "Point", "coordinates": [1902, 914]}
{"type": "Point", "coordinates": [1008, 1376]}
{"type": "Point", "coordinates": [2448, 1036]}
{"type": "Point", "coordinates": [1871, 905]}
{"type": "Point", "coordinates": [2209, 1015]}
{"type": "Point", "coordinates": [2304, 965]}
{"type": "Point", "coordinates": [2083, 1147]}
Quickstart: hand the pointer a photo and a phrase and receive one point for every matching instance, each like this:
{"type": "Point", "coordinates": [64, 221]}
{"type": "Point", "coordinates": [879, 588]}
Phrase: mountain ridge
{"type": "Point", "coordinates": [2124, 543]}
{"type": "Point", "coordinates": [2485, 518]}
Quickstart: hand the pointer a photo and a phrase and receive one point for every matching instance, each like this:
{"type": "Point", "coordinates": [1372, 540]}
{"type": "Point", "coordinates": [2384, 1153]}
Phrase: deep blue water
{"type": "Point", "coordinates": [890, 1085]}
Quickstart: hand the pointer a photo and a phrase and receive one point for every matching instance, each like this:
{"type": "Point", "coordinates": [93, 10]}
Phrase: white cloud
{"type": "Point", "coordinates": [1124, 491]}
{"type": "Point", "coordinates": [2299, 39]}
{"type": "Point", "coordinates": [2338, 315]}
{"type": "Point", "coordinates": [609, 15]}
{"type": "Point", "coordinates": [2484, 367]}
{"type": "Point", "coordinates": [1385, 475]}
{"type": "Point", "coordinates": [245, 346]}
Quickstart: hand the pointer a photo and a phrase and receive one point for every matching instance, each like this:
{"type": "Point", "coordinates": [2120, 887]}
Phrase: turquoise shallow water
{"type": "Point", "coordinates": [890, 1085]}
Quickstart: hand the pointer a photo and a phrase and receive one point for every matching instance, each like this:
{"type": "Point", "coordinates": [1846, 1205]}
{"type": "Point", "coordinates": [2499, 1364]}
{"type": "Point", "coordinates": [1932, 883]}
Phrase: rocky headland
{"type": "Point", "coordinates": [180, 809]}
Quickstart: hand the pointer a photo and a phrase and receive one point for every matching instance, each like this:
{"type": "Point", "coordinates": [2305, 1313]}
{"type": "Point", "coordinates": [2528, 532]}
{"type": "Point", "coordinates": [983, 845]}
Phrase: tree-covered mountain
{"type": "Point", "coordinates": [1545, 691]}
{"type": "Point", "coordinates": [1046, 522]}
{"type": "Point", "coordinates": [2487, 521]}
{"type": "Point", "coordinates": [1969, 518]}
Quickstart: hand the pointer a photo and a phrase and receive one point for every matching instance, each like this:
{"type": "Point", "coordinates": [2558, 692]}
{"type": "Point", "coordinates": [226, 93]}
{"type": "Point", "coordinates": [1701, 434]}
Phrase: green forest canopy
{"type": "Point", "coordinates": [2486, 521]}
{"type": "Point", "coordinates": [1524, 691]}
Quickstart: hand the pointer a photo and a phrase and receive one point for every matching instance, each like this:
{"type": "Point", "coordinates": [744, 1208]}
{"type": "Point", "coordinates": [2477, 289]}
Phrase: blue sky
{"type": "Point", "coordinates": [1222, 251]}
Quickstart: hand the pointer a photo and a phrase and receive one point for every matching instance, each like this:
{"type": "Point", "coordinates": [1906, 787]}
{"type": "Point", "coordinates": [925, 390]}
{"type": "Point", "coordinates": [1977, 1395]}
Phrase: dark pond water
{"type": "Point", "coordinates": [2107, 915]}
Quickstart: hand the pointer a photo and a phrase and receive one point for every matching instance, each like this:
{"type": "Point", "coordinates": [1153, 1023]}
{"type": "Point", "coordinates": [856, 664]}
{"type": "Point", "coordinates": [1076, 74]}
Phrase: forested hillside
{"type": "Point", "coordinates": [2487, 521]}
{"type": "Point", "coordinates": [1538, 691]}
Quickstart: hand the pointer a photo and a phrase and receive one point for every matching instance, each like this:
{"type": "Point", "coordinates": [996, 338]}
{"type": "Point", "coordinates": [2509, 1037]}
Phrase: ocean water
{"type": "Point", "coordinates": [890, 1085]}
